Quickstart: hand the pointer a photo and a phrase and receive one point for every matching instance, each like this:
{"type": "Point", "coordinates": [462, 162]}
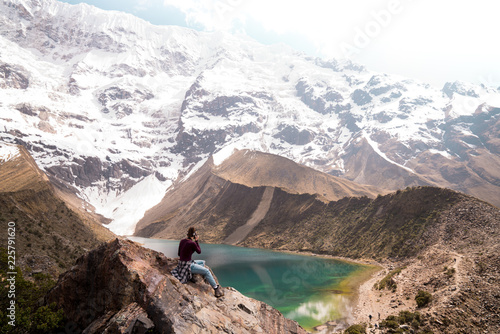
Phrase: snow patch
{"type": "Point", "coordinates": [374, 145]}
{"type": "Point", "coordinates": [128, 208]}
{"type": "Point", "coordinates": [224, 153]}
{"type": "Point", "coordinates": [443, 153]}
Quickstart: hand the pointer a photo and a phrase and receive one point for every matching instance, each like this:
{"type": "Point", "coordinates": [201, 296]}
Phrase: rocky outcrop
{"type": "Point", "coordinates": [459, 88]}
{"type": "Point", "coordinates": [90, 170]}
{"type": "Point", "coordinates": [13, 77]}
{"type": "Point", "coordinates": [306, 93]}
{"type": "Point", "coordinates": [360, 97]}
{"type": "Point", "coordinates": [293, 136]}
{"type": "Point", "coordinates": [320, 97]}
{"type": "Point", "coordinates": [122, 287]}
{"type": "Point", "coordinates": [122, 101]}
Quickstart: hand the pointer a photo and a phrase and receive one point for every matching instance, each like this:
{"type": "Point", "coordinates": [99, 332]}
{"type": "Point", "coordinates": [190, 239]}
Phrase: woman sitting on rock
{"type": "Point", "coordinates": [187, 267]}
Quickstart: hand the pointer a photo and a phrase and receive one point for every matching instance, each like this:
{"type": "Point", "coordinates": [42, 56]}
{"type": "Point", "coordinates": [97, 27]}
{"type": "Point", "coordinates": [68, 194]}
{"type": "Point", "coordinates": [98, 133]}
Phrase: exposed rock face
{"type": "Point", "coordinates": [121, 101]}
{"type": "Point", "coordinates": [360, 97]}
{"type": "Point", "coordinates": [91, 170]}
{"type": "Point", "coordinates": [320, 97]}
{"type": "Point", "coordinates": [122, 287]}
{"type": "Point", "coordinates": [13, 77]}
{"type": "Point", "coordinates": [458, 88]}
{"type": "Point", "coordinates": [292, 135]}
{"type": "Point", "coordinates": [306, 93]}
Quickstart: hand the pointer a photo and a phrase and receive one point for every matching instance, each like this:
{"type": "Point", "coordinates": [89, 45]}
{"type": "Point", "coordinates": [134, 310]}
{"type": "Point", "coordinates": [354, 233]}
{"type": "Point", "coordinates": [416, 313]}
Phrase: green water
{"type": "Point", "coordinates": [308, 289]}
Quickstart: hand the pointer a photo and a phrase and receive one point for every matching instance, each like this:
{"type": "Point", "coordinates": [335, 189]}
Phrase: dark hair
{"type": "Point", "coordinates": [191, 232]}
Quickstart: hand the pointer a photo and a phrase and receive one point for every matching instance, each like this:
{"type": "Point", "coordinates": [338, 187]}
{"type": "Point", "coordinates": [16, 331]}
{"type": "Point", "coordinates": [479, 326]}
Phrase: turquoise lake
{"type": "Point", "coordinates": [309, 289]}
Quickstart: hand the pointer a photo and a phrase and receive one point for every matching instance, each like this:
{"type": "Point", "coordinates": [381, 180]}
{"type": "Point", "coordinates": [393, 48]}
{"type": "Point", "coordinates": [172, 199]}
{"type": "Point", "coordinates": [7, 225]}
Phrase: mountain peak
{"type": "Point", "coordinates": [461, 88]}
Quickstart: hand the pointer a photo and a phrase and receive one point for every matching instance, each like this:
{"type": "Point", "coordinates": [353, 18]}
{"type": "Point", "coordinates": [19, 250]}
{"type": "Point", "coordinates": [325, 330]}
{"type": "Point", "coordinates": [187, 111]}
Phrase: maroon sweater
{"type": "Point", "coordinates": [186, 248]}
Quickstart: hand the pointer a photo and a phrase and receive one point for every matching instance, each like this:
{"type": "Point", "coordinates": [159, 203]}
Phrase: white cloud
{"type": "Point", "coordinates": [406, 36]}
{"type": "Point", "coordinates": [212, 15]}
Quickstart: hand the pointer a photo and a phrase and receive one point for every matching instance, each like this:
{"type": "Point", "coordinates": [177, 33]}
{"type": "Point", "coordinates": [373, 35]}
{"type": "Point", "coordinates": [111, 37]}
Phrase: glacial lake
{"type": "Point", "coordinates": [309, 289]}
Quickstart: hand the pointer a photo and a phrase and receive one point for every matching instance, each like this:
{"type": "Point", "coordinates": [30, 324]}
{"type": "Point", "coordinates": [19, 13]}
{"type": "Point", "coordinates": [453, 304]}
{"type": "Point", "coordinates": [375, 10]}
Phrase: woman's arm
{"type": "Point", "coordinates": [197, 246]}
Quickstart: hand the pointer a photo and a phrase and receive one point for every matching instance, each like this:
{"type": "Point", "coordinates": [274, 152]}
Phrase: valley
{"type": "Point", "coordinates": [444, 242]}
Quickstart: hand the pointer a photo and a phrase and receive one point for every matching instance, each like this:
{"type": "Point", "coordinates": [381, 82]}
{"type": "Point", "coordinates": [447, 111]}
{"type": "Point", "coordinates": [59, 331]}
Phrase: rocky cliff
{"type": "Point", "coordinates": [122, 287]}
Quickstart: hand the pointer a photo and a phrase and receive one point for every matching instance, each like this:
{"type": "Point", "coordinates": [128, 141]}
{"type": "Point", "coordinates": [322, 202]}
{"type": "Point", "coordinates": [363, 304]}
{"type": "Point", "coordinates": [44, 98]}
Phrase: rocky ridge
{"type": "Point", "coordinates": [122, 287]}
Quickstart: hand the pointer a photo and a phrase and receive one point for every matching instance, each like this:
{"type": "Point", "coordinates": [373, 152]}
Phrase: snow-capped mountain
{"type": "Point", "coordinates": [118, 109]}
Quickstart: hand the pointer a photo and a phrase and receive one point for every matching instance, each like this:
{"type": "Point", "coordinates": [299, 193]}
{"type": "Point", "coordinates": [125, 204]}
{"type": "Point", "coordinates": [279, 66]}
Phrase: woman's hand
{"type": "Point", "coordinates": [196, 237]}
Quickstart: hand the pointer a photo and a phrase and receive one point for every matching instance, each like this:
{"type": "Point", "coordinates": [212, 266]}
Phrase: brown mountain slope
{"type": "Point", "coordinates": [255, 169]}
{"type": "Point", "coordinates": [447, 244]}
{"type": "Point", "coordinates": [49, 234]}
{"type": "Point", "coordinates": [369, 167]}
{"type": "Point", "coordinates": [21, 173]}
{"type": "Point", "coordinates": [459, 267]}
{"type": "Point", "coordinates": [204, 200]}
{"type": "Point", "coordinates": [470, 168]}
{"type": "Point", "coordinates": [220, 199]}
{"type": "Point", "coordinates": [397, 225]}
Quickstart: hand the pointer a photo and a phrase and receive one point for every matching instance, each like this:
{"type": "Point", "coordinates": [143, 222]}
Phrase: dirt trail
{"type": "Point", "coordinates": [449, 291]}
{"type": "Point", "coordinates": [259, 214]}
{"type": "Point", "coordinates": [413, 278]}
{"type": "Point", "coordinates": [370, 302]}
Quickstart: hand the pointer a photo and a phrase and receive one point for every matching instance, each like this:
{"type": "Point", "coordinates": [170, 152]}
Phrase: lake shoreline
{"type": "Point", "coordinates": [360, 287]}
{"type": "Point", "coordinates": [355, 287]}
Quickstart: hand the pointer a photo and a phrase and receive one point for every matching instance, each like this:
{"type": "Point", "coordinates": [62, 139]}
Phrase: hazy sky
{"type": "Point", "coordinates": [434, 41]}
